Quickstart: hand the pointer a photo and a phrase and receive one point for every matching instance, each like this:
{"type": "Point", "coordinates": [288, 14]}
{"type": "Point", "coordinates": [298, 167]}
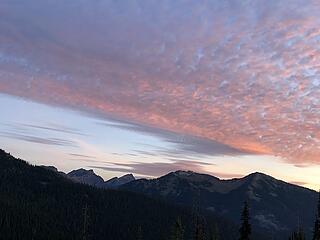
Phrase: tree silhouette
{"type": "Point", "coordinates": [199, 231]}
{"type": "Point", "coordinates": [298, 235]}
{"type": "Point", "coordinates": [214, 235]}
{"type": "Point", "coordinates": [85, 222]}
{"type": "Point", "coordinates": [178, 230]}
{"type": "Point", "coordinates": [316, 231]}
{"type": "Point", "coordinates": [139, 233]}
{"type": "Point", "coordinates": [245, 229]}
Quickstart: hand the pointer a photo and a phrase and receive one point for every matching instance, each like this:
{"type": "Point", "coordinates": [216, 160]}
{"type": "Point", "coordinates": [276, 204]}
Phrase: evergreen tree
{"type": "Point", "coordinates": [199, 232]}
{"type": "Point", "coordinates": [214, 235]}
{"type": "Point", "coordinates": [139, 233]}
{"type": "Point", "coordinates": [85, 223]}
{"type": "Point", "coordinates": [178, 230]}
{"type": "Point", "coordinates": [316, 231]}
{"type": "Point", "coordinates": [198, 220]}
{"type": "Point", "coordinates": [298, 235]}
{"type": "Point", "coordinates": [245, 229]}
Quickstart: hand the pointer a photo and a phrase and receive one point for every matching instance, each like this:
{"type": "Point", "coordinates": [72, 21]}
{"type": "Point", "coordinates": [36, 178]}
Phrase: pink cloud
{"type": "Point", "coordinates": [243, 75]}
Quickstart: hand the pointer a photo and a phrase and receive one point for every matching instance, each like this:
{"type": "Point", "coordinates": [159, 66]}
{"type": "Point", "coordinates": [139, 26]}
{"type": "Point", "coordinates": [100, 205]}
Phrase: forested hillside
{"type": "Point", "coordinates": [37, 203]}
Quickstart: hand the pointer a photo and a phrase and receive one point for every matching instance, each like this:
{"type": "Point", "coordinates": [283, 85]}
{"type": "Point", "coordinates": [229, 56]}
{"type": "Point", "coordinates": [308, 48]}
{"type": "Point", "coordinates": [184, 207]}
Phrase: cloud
{"type": "Point", "coordinates": [244, 74]}
{"type": "Point", "coordinates": [155, 169]}
{"type": "Point", "coordinates": [81, 155]}
{"type": "Point", "coordinates": [38, 134]}
{"type": "Point", "coordinates": [85, 160]}
{"type": "Point", "coordinates": [181, 144]}
{"type": "Point", "coordinates": [302, 165]}
{"type": "Point", "coordinates": [47, 127]}
{"type": "Point", "coordinates": [39, 140]}
{"type": "Point", "coordinates": [55, 128]}
{"type": "Point", "coordinates": [299, 183]}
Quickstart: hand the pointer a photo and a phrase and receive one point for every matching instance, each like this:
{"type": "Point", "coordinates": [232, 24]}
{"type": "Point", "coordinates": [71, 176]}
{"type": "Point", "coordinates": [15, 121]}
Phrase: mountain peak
{"type": "Point", "coordinates": [51, 168]}
{"type": "Point", "coordinates": [89, 177]}
{"type": "Point", "coordinates": [81, 171]}
{"type": "Point", "coordinates": [118, 181]}
{"type": "Point", "coordinates": [184, 173]}
{"type": "Point", "coordinates": [85, 176]}
{"type": "Point", "coordinates": [258, 176]}
{"type": "Point", "coordinates": [190, 174]}
{"type": "Point", "coordinates": [127, 178]}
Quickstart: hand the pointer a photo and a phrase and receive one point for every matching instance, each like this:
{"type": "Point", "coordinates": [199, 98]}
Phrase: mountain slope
{"type": "Point", "coordinates": [276, 206]}
{"type": "Point", "coordinates": [38, 203]}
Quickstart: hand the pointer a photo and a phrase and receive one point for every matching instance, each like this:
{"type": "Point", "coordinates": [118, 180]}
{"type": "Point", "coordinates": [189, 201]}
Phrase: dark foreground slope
{"type": "Point", "coordinates": [37, 203]}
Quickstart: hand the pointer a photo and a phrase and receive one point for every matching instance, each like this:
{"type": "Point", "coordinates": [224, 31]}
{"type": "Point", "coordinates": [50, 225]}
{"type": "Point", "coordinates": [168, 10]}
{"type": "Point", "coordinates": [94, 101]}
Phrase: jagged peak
{"type": "Point", "coordinates": [51, 168]}
{"type": "Point", "coordinates": [260, 176]}
{"type": "Point", "coordinates": [183, 172]}
{"type": "Point", "coordinates": [129, 175]}
{"type": "Point", "coordinates": [82, 171]}
{"type": "Point", "coordinates": [187, 174]}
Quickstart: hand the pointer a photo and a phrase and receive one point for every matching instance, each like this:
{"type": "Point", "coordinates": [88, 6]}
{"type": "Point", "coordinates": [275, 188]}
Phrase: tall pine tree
{"type": "Point", "coordinates": [316, 231]}
{"type": "Point", "coordinates": [214, 233]}
{"type": "Point", "coordinates": [139, 233]}
{"type": "Point", "coordinates": [199, 228]}
{"type": "Point", "coordinates": [298, 235]}
{"type": "Point", "coordinates": [245, 229]}
{"type": "Point", "coordinates": [178, 230]}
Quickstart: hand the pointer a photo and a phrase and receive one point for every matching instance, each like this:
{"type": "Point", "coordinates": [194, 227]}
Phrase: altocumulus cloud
{"type": "Point", "coordinates": [240, 73]}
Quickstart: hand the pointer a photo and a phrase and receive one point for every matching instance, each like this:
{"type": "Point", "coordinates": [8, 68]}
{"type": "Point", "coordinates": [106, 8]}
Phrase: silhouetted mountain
{"type": "Point", "coordinates": [54, 169]}
{"type": "Point", "coordinates": [117, 182]}
{"type": "Point", "coordinates": [90, 178]}
{"type": "Point", "coordinates": [86, 177]}
{"type": "Point", "coordinates": [276, 206]}
{"type": "Point", "coordinates": [38, 203]}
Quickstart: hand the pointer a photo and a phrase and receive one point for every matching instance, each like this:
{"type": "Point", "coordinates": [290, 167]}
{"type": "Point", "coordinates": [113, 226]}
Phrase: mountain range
{"type": "Point", "coordinates": [90, 178]}
{"type": "Point", "coordinates": [33, 198]}
{"type": "Point", "coordinates": [38, 203]}
{"type": "Point", "coordinates": [277, 207]}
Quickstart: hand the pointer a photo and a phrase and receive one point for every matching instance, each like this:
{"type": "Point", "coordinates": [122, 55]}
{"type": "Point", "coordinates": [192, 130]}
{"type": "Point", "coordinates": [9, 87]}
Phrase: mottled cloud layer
{"type": "Point", "coordinates": [241, 73]}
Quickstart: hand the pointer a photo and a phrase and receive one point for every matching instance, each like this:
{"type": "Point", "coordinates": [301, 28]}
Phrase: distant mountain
{"type": "Point", "coordinates": [117, 182]}
{"type": "Point", "coordinates": [54, 169]}
{"type": "Point", "coordinates": [277, 207]}
{"type": "Point", "coordinates": [85, 177]}
{"type": "Point", "coordinates": [39, 203]}
{"type": "Point", "coordinates": [90, 178]}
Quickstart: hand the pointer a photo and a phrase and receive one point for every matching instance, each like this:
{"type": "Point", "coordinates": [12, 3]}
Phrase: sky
{"type": "Point", "coordinates": [144, 86]}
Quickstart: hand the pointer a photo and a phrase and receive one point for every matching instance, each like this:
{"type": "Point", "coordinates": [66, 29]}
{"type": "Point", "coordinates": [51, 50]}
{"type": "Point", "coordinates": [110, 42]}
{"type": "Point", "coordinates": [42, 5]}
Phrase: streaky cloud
{"type": "Point", "coordinates": [157, 169]}
{"type": "Point", "coordinates": [39, 140]}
